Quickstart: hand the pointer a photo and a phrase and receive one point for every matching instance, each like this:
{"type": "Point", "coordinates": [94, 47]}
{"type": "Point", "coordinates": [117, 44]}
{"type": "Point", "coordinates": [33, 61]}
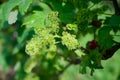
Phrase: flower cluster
{"type": "Point", "coordinates": [71, 27]}
{"type": "Point", "coordinates": [41, 39]}
{"type": "Point", "coordinates": [69, 40]}
{"type": "Point", "coordinates": [54, 21]}
{"type": "Point", "coordinates": [44, 37]}
{"type": "Point", "coordinates": [33, 46]}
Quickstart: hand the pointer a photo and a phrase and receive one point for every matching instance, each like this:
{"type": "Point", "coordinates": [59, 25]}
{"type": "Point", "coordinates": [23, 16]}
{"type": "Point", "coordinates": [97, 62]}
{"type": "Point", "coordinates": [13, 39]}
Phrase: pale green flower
{"type": "Point", "coordinates": [69, 40]}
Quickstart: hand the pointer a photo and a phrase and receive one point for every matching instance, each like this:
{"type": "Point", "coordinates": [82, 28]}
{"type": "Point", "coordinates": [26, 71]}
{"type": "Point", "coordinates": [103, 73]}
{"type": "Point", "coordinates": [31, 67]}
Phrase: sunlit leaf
{"type": "Point", "coordinates": [29, 65]}
{"type": "Point", "coordinates": [35, 20]}
{"type": "Point", "coordinates": [12, 18]}
{"type": "Point", "coordinates": [9, 6]}
{"type": "Point", "coordinates": [31, 76]}
{"type": "Point", "coordinates": [24, 5]}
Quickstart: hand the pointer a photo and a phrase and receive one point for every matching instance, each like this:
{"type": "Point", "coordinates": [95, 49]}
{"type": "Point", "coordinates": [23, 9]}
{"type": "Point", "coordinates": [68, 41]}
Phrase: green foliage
{"type": "Point", "coordinates": [106, 40]}
{"type": "Point", "coordinates": [35, 20]}
{"type": "Point", "coordinates": [43, 38]}
{"type": "Point", "coordinates": [8, 7]}
{"type": "Point", "coordinates": [31, 76]}
{"type": "Point", "coordinates": [24, 5]}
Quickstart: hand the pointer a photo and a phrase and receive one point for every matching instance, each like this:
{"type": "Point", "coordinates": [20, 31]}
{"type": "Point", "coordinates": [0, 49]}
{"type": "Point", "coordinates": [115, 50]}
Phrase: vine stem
{"type": "Point", "coordinates": [116, 6]}
{"type": "Point", "coordinates": [110, 52]}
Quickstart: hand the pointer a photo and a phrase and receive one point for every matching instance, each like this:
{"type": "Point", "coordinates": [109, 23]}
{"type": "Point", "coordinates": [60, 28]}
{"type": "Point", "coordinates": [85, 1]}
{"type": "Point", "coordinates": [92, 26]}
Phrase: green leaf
{"type": "Point", "coordinates": [66, 12]}
{"type": "Point", "coordinates": [16, 49]}
{"type": "Point", "coordinates": [45, 7]}
{"type": "Point", "coordinates": [82, 70]}
{"type": "Point", "coordinates": [96, 59]}
{"type": "Point", "coordinates": [84, 64]}
{"type": "Point", "coordinates": [104, 38]}
{"type": "Point", "coordinates": [29, 65]}
{"type": "Point", "coordinates": [9, 6]}
{"type": "Point", "coordinates": [37, 19]}
{"type": "Point", "coordinates": [24, 5]}
{"type": "Point", "coordinates": [21, 39]}
{"type": "Point", "coordinates": [31, 76]}
{"type": "Point", "coordinates": [115, 20]}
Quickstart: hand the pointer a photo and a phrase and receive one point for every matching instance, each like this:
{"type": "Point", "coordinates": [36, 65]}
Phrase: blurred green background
{"type": "Point", "coordinates": [111, 71]}
{"type": "Point", "coordinates": [13, 58]}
